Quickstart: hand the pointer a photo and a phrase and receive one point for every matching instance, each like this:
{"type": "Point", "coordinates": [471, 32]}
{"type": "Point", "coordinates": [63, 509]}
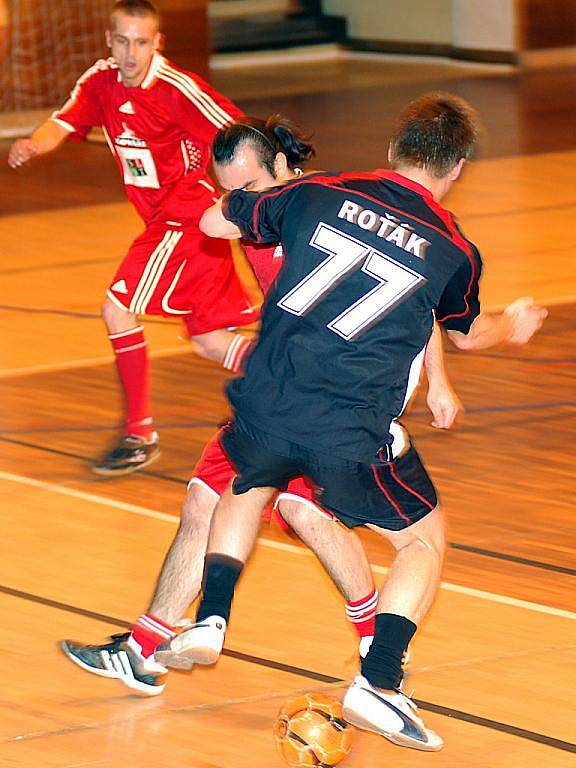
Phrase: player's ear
{"type": "Point", "coordinates": [158, 41]}
{"type": "Point", "coordinates": [390, 153]}
{"type": "Point", "coordinates": [108, 35]}
{"type": "Point", "coordinates": [280, 165]}
{"type": "Point", "coordinates": [457, 170]}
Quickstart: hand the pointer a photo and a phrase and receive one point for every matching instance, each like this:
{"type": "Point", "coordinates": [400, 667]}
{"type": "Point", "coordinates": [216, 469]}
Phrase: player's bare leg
{"type": "Point", "coordinates": [233, 533]}
{"type": "Point", "coordinates": [414, 576]}
{"type": "Point", "coordinates": [228, 348]}
{"type": "Point", "coordinates": [341, 553]}
{"type": "Point", "coordinates": [374, 701]}
{"type": "Point", "coordinates": [116, 318]}
{"type": "Point", "coordinates": [138, 446]}
{"type": "Point", "coordinates": [181, 575]}
{"type": "Point", "coordinates": [236, 522]}
{"type": "Point", "coordinates": [338, 548]}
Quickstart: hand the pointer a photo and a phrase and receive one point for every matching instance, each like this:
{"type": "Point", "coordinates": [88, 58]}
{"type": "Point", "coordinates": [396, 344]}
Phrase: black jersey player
{"type": "Point", "coordinates": [370, 259]}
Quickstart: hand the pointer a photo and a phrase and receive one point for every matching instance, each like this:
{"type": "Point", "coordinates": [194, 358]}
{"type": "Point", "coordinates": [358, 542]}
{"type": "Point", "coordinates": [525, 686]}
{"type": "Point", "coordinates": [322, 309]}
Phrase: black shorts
{"type": "Point", "coordinates": [392, 495]}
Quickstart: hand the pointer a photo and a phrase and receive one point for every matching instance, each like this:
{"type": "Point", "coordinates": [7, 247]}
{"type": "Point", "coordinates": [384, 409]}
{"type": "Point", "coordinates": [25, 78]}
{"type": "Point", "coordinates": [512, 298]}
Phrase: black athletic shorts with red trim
{"type": "Point", "coordinates": [390, 494]}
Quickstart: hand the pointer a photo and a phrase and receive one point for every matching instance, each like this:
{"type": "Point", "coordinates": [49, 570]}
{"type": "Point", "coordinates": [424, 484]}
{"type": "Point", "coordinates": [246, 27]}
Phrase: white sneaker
{"type": "Point", "coordinates": [392, 715]}
{"type": "Point", "coordinates": [200, 644]}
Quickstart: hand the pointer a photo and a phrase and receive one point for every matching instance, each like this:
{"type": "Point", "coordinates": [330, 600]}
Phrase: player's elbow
{"type": "Point", "coordinates": [213, 224]}
{"type": "Point", "coordinates": [209, 223]}
{"type": "Point", "coordinates": [460, 340]}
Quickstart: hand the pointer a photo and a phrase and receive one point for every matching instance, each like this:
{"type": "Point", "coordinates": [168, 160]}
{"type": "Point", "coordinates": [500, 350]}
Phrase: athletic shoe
{"type": "Point", "coordinates": [392, 715]}
{"type": "Point", "coordinates": [120, 659]}
{"type": "Point", "coordinates": [131, 454]}
{"type": "Point", "coordinates": [200, 644]}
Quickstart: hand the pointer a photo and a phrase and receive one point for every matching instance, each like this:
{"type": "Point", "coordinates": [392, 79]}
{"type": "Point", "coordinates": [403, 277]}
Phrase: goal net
{"type": "Point", "coordinates": [44, 46]}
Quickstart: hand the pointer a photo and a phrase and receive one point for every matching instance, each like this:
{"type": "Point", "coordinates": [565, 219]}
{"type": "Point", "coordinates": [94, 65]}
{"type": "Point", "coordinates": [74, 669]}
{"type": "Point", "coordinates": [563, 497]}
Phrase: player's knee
{"type": "Point", "coordinates": [297, 515]}
{"type": "Point", "coordinates": [197, 510]}
{"type": "Point", "coordinates": [117, 319]}
{"type": "Point", "coordinates": [304, 521]}
{"type": "Point", "coordinates": [432, 535]}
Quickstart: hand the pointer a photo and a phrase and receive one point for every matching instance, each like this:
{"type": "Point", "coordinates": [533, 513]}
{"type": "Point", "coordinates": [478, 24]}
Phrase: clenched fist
{"type": "Point", "coordinates": [20, 152]}
{"type": "Point", "coordinates": [526, 318]}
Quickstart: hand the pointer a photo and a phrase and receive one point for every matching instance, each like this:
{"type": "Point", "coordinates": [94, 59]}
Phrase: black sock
{"type": "Point", "coordinates": [382, 666]}
{"type": "Point", "coordinates": [220, 576]}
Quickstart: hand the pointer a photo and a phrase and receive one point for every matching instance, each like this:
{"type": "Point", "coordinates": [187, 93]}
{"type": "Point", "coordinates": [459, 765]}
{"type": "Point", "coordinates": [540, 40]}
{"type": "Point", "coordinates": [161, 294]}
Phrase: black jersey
{"type": "Point", "coordinates": [369, 259]}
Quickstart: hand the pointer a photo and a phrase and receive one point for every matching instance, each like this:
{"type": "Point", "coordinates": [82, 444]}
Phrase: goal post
{"type": "Point", "coordinates": [44, 46]}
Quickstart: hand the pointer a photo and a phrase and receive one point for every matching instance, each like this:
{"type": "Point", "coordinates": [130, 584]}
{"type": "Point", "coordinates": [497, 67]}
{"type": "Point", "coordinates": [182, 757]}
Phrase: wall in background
{"type": "Point", "coordinates": [525, 32]}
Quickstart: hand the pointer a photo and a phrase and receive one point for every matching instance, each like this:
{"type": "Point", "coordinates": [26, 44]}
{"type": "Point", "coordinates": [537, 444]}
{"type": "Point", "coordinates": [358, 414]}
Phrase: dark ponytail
{"type": "Point", "coordinates": [267, 137]}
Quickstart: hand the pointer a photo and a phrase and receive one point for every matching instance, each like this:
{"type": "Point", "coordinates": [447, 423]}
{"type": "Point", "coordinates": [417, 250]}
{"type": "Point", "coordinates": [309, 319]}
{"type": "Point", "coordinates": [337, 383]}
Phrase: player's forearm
{"type": "Point", "coordinates": [45, 138]}
{"type": "Point", "coordinates": [434, 359]}
{"type": "Point", "coordinates": [487, 330]}
{"type": "Point", "coordinates": [516, 325]}
{"type": "Point", "coordinates": [48, 137]}
{"type": "Point", "coordinates": [214, 224]}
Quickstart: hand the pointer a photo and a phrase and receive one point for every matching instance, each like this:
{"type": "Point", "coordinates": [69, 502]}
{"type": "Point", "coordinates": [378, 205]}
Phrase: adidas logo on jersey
{"type": "Point", "coordinates": [120, 286]}
{"type": "Point", "coordinates": [127, 108]}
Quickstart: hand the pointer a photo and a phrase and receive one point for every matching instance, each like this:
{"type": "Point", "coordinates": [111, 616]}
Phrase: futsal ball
{"type": "Point", "coordinates": [310, 731]}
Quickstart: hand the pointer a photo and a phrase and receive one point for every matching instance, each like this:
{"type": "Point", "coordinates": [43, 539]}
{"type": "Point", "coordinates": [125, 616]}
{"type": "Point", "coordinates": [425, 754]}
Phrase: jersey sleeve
{"type": "Point", "coordinates": [82, 110]}
{"type": "Point", "coordinates": [459, 305]}
{"type": "Point", "coordinates": [258, 215]}
{"type": "Point", "coordinates": [198, 108]}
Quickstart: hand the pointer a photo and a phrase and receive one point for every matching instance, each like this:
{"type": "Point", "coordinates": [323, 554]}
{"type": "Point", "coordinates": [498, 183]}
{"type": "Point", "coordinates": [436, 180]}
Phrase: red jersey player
{"type": "Point", "coordinates": [159, 122]}
{"type": "Point", "coordinates": [253, 154]}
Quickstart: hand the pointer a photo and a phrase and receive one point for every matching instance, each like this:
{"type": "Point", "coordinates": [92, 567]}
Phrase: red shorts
{"type": "Point", "coordinates": [176, 270]}
{"type": "Point", "coordinates": [215, 472]}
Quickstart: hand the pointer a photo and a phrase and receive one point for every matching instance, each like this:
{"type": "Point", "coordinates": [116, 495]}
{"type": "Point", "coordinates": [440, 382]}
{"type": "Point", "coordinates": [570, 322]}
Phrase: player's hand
{"type": "Point", "coordinates": [525, 319]}
{"type": "Point", "coordinates": [444, 404]}
{"type": "Point", "coordinates": [20, 152]}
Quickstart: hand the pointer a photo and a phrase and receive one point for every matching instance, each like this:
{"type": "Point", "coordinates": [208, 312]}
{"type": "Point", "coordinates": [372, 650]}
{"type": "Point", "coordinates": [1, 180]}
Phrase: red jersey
{"type": "Point", "coordinates": [160, 132]}
{"type": "Point", "coordinates": [265, 261]}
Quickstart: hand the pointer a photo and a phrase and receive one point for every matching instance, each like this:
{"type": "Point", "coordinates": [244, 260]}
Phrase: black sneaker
{"type": "Point", "coordinates": [119, 659]}
{"type": "Point", "coordinates": [131, 454]}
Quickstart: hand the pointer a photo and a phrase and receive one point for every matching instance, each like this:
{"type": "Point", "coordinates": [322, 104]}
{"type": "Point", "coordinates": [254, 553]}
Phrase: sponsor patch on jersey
{"type": "Point", "coordinates": [136, 166]}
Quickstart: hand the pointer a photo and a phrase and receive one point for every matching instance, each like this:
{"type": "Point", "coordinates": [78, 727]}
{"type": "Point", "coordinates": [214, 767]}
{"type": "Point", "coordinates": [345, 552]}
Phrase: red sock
{"type": "Point", "coordinates": [149, 632]}
{"type": "Point", "coordinates": [237, 352]}
{"type": "Point", "coordinates": [362, 614]}
{"type": "Point", "coordinates": [134, 369]}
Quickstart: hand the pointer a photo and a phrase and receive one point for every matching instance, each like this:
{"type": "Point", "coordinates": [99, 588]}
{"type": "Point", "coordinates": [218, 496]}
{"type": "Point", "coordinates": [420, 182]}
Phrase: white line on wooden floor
{"type": "Point", "coordinates": [493, 597]}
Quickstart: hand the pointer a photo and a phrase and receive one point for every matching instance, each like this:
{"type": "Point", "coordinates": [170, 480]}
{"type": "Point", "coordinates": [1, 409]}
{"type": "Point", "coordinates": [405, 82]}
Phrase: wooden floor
{"type": "Point", "coordinates": [494, 665]}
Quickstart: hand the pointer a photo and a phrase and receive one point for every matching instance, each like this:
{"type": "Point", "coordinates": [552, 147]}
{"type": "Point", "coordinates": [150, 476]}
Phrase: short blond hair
{"type": "Point", "coordinates": [139, 8]}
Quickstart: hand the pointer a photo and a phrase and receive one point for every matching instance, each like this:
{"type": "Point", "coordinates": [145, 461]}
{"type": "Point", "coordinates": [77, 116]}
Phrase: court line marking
{"type": "Point", "coordinates": [328, 680]}
{"type": "Point", "coordinates": [493, 597]}
{"type": "Point", "coordinates": [196, 425]}
{"type": "Point", "coordinates": [457, 714]}
{"type": "Point", "coordinates": [89, 362]}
